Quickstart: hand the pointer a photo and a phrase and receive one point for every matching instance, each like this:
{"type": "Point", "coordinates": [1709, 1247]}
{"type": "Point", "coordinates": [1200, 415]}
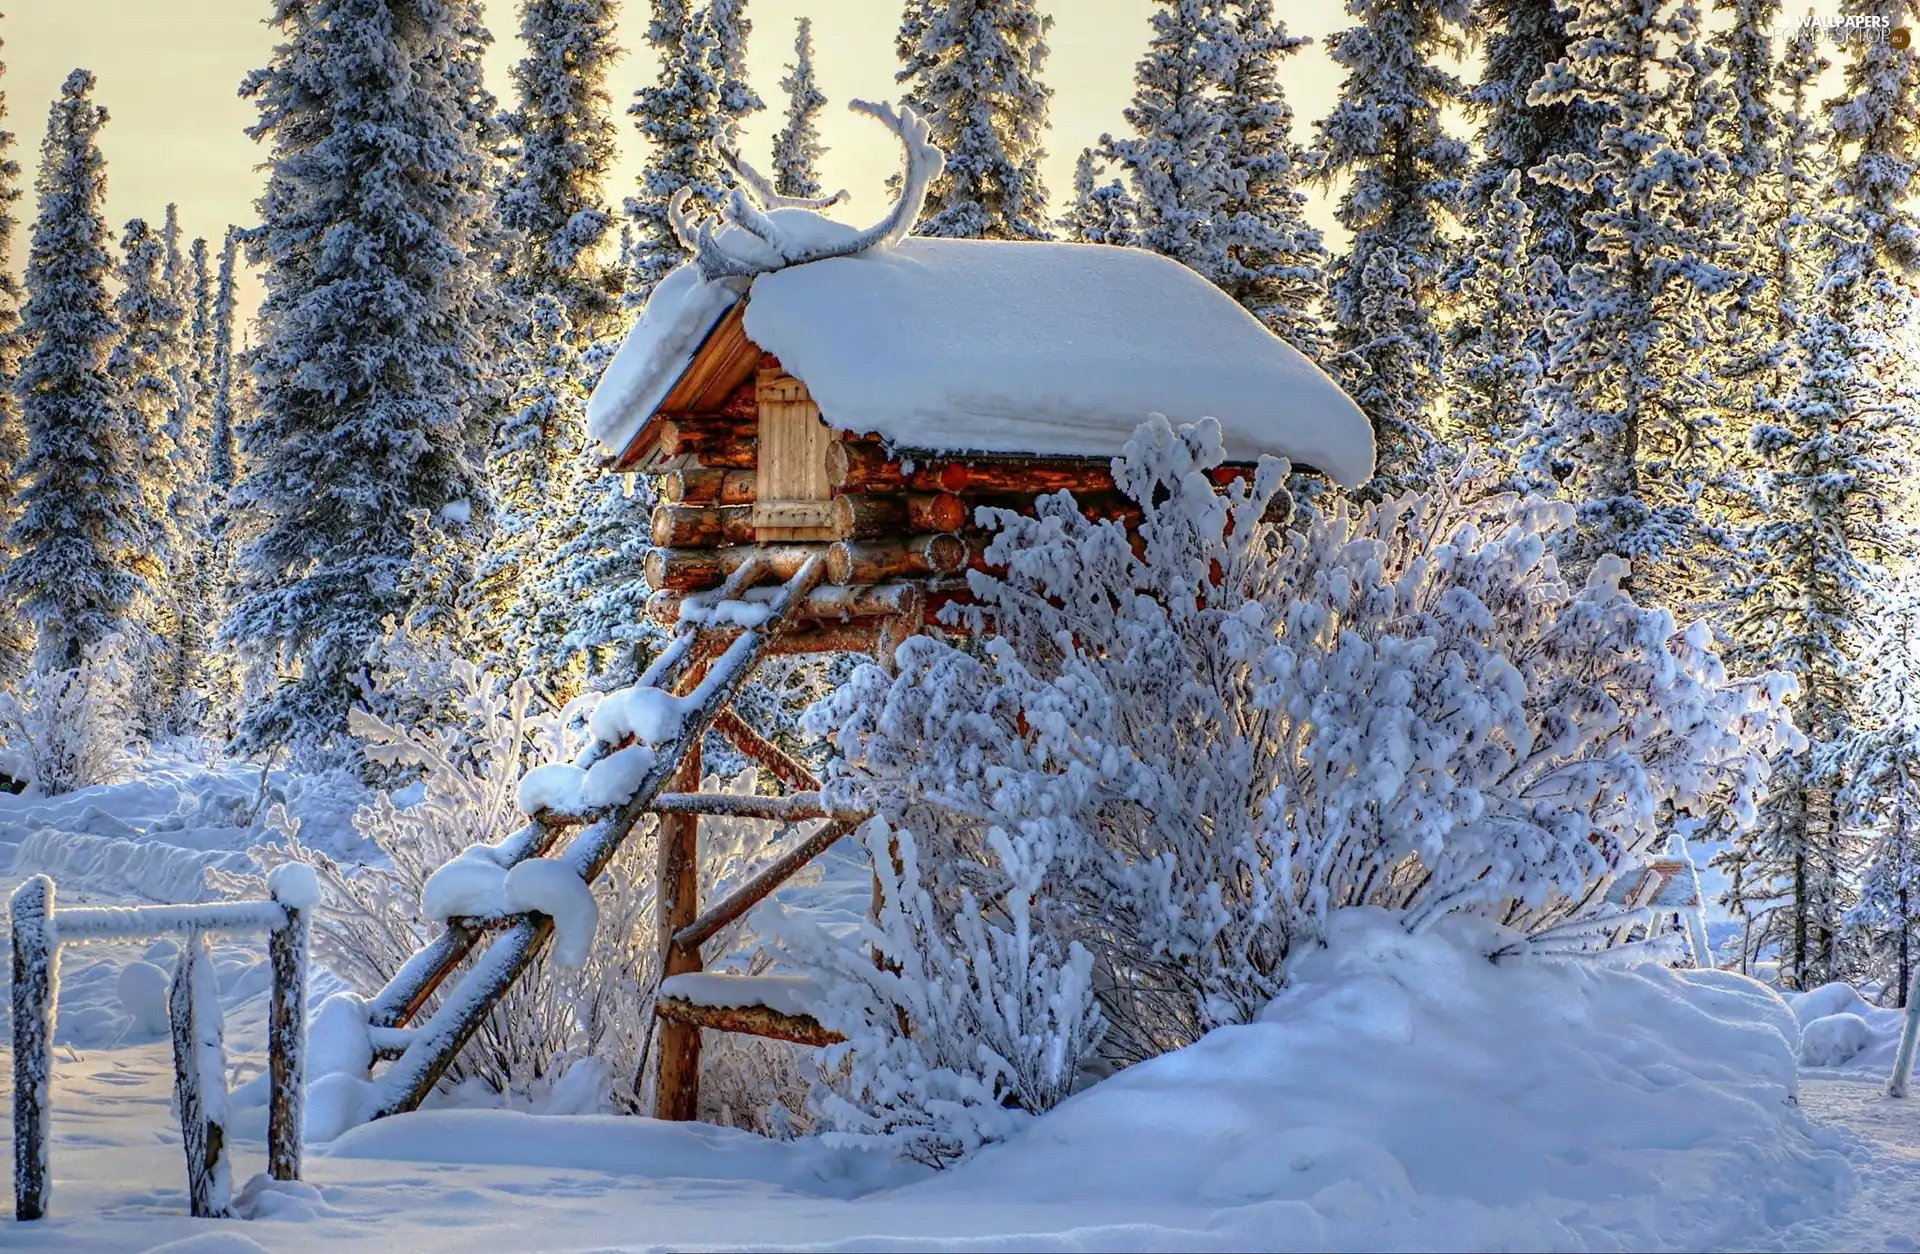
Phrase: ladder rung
{"type": "Point", "coordinates": [391, 1042]}
{"type": "Point", "coordinates": [748, 1021]}
{"type": "Point", "coordinates": [791, 809]}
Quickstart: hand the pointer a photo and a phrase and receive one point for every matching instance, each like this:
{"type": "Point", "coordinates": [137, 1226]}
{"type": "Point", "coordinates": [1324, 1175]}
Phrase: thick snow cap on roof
{"type": "Point", "coordinates": [1052, 349]}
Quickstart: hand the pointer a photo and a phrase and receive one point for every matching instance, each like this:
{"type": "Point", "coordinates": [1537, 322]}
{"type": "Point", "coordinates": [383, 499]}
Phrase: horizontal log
{"type": "Point", "coordinates": [839, 638]}
{"type": "Point", "coordinates": [695, 526]}
{"type": "Point", "coordinates": [830, 603]}
{"type": "Point", "coordinates": [796, 807]}
{"type": "Point", "coordinates": [712, 444]}
{"type": "Point", "coordinates": [860, 561]}
{"type": "Point", "coordinates": [700, 486]}
{"type": "Point", "coordinates": [873, 515]}
{"type": "Point", "coordinates": [860, 467]}
{"type": "Point", "coordinates": [694, 569]}
{"type": "Point", "coordinates": [748, 1021]}
{"type": "Point", "coordinates": [743, 402]}
{"type": "Point", "coordinates": [1099, 506]}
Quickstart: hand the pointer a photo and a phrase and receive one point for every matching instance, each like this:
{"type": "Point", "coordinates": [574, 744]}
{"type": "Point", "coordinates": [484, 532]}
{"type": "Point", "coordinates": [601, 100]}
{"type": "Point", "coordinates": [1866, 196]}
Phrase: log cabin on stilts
{"type": "Point", "coordinates": [825, 409]}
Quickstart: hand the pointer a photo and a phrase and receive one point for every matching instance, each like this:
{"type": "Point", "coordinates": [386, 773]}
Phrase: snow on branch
{"type": "Point", "coordinates": [759, 230]}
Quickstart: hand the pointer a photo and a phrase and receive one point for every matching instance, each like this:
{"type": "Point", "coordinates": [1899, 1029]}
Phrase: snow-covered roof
{"type": "Point", "coordinates": [988, 346]}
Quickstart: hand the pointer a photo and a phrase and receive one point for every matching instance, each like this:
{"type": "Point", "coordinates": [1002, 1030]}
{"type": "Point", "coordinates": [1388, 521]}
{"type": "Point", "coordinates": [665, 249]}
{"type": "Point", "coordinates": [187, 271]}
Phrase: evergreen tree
{"type": "Point", "coordinates": [14, 641]}
{"type": "Point", "coordinates": [1102, 214]}
{"type": "Point", "coordinates": [1275, 262]}
{"type": "Point", "coordinates": [1501, 294]}
{"type": "Point", "coordinates": [1386, 134]}
{"type": "Point", "coordinates": [141, 364]}
{"type": "Point", "coordinates": [222, 461]}
{"type": "Point", "coordinates": [369, 403]}
{"type": "Point", "coordinates": [682, 118]}
{"type": "Point", "coordinates": [541, 438]}
{"type": "Point", "coordinates": [1524, 37]}
{"type": "Point", "coordinates": [797, 149]}
{"type": "Point", "coordinates": [80, 519]}
{"type": "Point", "coordinates": [562, 134]}
{"type": "Point", "coordinates": [726, 21]}
{"type": "Point", "coordinates": [974, 74]}
{"type": "Point", "coordinates": [1177, 159]}
{"type": "Point", "coordinates": [1631, 417]}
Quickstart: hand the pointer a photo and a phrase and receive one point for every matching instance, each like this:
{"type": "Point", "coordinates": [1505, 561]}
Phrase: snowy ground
{"type": "Point", "coordinates": [1381, 1105]}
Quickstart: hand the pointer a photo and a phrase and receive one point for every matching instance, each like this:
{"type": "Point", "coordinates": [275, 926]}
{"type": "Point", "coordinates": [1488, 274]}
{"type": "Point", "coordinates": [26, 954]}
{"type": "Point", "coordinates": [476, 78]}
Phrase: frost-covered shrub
{"type": "Point", "coordinates": [480, 737]}
{"type": "Point", "coordinates": [67, 729]}
{"type": "Point", "coordinates": [1212, 745]}
{"type": "Point", "coordinates": [958, 1020]}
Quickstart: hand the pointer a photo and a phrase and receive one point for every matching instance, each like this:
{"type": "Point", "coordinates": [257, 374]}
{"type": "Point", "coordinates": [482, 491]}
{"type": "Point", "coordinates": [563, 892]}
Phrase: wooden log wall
{"type": "Point", "coordinates": [896, 518]}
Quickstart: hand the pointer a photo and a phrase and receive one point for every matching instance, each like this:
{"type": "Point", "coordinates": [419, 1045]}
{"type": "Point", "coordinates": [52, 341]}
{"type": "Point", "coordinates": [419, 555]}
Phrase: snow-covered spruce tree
{"type": "Point", "coordinates": [530, 469]}
{"type": "Point", "coordinates": [797, 149]}
{"type": "Point", "coordinates": [726, 21]}
{"type": "Point", "coordinates": [1523, 38]}
{"type": "Point", "coordinates": [1101, 213]}
{"type": "Point", "coordinates": [563, 143]}
{"type": "Point", "coordinates": [1631, 418]}
{"type": "Point", "coordinates": [1177, 159]}
{"type": "Point", "coordinates": [1275, 261]}
{"type": "Point", "coordinates": [1501, 297]}
{"type": "Point", "coordinates": [222, 459]}
{"type": "Point", "coordinates": [1405, 706]}
{"type": "Point", "coordinates": [81, 522]}
{"type": "Point", "coordinates": [684, 124]}
{"type": "Point", "coordinates": [1880, 764]}
{"type": "Point", "coordinates": [366, 370]}
{"type": "Point", "coordinates": [974, 75]}
{"type": "Point", "coordinates": [141, 363]}
{"type": "Point", "coordinates": [1387, 136]}
{"type": "Point", "coordinates": [15, 642]}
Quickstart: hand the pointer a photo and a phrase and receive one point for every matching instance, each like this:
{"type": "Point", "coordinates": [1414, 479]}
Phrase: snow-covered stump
{"type": "Point", "coordinates": [294, 887]}
{"type": "Point", "coordinates": [34, 980]}
{"type": "Point", "coordinates": [199, 1078]}
{"type": "Point", "coordinates": [1901, 1080]}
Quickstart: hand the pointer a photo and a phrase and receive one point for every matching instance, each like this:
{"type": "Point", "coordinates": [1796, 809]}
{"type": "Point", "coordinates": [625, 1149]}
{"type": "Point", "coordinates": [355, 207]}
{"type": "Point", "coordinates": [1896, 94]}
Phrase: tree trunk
{"type": "Point", "coordinates": [287, 1045]}
{"type": "Point", "coordinates": [34, 986]}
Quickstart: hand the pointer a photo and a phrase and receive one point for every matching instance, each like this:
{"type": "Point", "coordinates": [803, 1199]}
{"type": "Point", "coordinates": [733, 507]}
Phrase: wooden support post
{"type": "Point", "coordinates": [34, 953]}
{"type": "Point", "coordinates": [286, 1043]}
{"type": "Point", "coordinates": [205, 1139]}
{"type": "Point", "coordinates": [676, 1093]}
{"type": "Point", "coordinates": [764, 753]}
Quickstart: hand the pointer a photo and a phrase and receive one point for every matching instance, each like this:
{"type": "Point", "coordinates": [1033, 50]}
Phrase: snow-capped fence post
{"type": "Point", "coordinates": [294, 887]}
{"type": "Point", "coordinates": [34, 948]}
{"type": "Point", "coordinates": [1902, 1077]}
{"type": "Point", "coordinates": [202, 1098]}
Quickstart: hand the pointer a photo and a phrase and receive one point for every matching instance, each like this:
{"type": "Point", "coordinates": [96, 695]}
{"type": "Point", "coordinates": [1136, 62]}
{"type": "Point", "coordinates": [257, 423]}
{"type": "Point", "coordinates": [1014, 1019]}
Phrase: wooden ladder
{"type": "Point", "coordinates": [711, 663]}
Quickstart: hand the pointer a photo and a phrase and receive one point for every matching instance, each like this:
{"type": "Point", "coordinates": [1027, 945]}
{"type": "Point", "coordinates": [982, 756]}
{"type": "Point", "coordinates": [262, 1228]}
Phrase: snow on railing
{"type": "Point", "coordinates": [193, 1008]}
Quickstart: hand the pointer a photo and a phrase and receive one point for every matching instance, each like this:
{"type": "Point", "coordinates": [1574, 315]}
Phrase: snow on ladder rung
{"type": "Point", "coordinates": [775, 1006]}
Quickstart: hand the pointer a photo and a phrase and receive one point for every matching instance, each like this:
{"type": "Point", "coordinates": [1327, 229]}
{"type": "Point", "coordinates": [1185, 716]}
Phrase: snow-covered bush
{"type": "Point", "coordinates": [1203, 750]}
{"type": "Point", "coordinates": [478, 737]}
{"type": "Point", "coordinates": [67, 729]}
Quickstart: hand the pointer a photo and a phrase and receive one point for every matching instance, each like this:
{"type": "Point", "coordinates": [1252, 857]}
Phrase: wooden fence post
{"type": "Point", "coordinates": [201, 1130]}
{"type": "Point", "coordinates": [287, 1037]}
{"type": "Point", "coordinates": [676, 1088]}
{"type": "Point", "coordinates": [35, 950]}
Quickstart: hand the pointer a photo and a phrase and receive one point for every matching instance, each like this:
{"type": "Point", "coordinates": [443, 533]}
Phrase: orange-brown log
{"type": "Point", "coordinates": [700, 486]}
{"type": "Point", "coordinates": [743, 402]}
{"type": "Point", "coordinates": [748, 1021]}
{"type": "Point", "coordinates": [692, 570]}
{"type": "Point", "coordinates": [828, 603]}
{"type": "Point", "coordinates": [691, 526]}
{"type": "Point", "coordinates": [871, 561]}
{"type": "Point", "coordinates": [1093, 504]}
{"type": "Point", "coordinates": [871, 515]}
{"type": "Point", "coordinates": [714, 444]}
{"type": "Point", "coordinates": [863, 467]}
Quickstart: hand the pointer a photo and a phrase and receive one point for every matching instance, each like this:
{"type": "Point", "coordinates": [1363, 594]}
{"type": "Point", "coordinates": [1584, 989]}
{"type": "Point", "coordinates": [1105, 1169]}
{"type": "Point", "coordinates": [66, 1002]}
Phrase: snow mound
{"type": "Point", "coordinates": [142, 989]}
{"type": "Point", "coordinates": [649, 715]}
{"type": "Point", "coordinates": [556, 890]}
{"type": "Point", "coordinates": [1833, 1040]}
{"type": "Point", "coordinates": [1868, 1044]}
{"type": "Point", "coordinates": [471, 884]}
{"type": "Point", "coordinates": [211, 1243]}
{"type": "Point", "coordinates": [1406, 1093]}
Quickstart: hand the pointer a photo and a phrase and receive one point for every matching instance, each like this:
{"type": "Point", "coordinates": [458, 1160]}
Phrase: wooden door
{"type": "Point", "coordinates": [792, 495]}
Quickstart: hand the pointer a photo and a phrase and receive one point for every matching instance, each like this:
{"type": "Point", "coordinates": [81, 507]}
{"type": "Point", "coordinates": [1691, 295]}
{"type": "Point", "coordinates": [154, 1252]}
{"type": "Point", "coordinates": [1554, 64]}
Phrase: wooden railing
{"type": "Point", "coordinates": [193, 1012]}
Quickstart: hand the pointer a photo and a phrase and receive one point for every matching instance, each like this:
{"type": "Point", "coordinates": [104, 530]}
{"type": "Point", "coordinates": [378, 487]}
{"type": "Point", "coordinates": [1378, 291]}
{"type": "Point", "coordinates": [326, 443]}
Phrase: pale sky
{"type": "Point", "coordinates": [169, 71]}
